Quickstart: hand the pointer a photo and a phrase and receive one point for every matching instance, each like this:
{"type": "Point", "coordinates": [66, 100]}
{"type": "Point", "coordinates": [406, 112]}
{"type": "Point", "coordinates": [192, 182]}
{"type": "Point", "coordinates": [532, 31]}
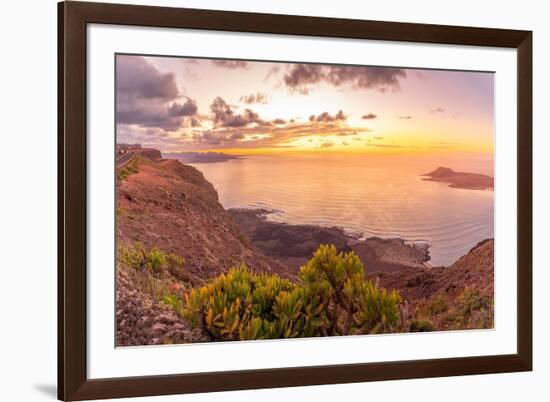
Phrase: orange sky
{"type": "Point", "coordinates": [178, 104]}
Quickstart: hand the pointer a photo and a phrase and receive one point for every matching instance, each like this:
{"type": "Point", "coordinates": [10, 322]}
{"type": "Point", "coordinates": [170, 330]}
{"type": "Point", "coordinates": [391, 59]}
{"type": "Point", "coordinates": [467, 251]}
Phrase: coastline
{"type": "Point", "coordinates": [293, 245]}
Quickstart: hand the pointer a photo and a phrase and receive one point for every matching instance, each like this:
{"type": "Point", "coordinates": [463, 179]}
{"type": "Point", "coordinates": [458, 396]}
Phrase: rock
{"type": "Point", "coordinates": [144, 321]}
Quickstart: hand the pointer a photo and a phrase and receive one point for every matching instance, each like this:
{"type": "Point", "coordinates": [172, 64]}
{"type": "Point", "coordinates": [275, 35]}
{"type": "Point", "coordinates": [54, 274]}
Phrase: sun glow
{"type": "Point", "coordinates": [261, 108]}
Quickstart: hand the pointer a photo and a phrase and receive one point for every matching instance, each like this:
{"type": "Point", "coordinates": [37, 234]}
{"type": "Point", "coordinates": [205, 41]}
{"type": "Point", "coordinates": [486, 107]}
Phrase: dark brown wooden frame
{"type": "Point", "coordinates": [73, 17]}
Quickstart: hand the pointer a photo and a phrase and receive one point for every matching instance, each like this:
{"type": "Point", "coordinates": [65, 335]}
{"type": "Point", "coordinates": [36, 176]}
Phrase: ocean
{"type": "Point", "coordinates": [366, 195]}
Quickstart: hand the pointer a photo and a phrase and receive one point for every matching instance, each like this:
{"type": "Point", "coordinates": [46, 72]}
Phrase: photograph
{"type": "Point", "coordinates": [267, 200]}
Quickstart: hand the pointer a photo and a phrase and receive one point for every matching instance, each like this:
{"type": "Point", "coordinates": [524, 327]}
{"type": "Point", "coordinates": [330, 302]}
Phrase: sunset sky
{"type": "Point", "coordinates": [179, 104]}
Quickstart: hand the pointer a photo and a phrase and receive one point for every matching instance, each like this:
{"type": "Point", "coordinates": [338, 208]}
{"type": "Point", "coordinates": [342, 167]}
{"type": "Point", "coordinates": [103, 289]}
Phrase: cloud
{"type": "Point", "coordinates": [378, 138]}
{"type": "Point", "coordinates": [225, 115]}
{"type": "Point", "coordinates": [254, 98]}
{"type": "Point", "coordinates": [231, 64]}
{"type": "Point", "coordinates": [135, 77]}
{"type": "Point", "coordinates": [437, 110]}
{"type": "Point", "coordinates": [405, 117]}
{"type": "Point", "coordinates": [326, 144]}
{"type": "Point", "coordinates": [301, 77]}
{"type": "Point", "coordinates": [268, 136]}
{"type": "Point", "coordinates": [279, 121]}
{"type": "Point", "coordinates": [369, 116]}
{"type": "Point", "coordinates": [348, 133]}
{"type": "Point", "coordinates": [326, 117]}
{"type": "Point", "coordinates": [274, 69]}
{"type": "Point", "coordinates": [147, 98]}
{"type": "Point", "coordinates": [189, 108]}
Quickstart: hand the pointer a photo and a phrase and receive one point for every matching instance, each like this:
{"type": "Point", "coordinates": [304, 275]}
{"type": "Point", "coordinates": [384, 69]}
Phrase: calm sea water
{"type": "Point", "coordinates": [365, 195]}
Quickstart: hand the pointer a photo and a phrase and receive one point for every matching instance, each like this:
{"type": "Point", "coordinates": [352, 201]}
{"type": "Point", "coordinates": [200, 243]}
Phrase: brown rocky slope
{"type": "Point", "coordinates": [457, 297]}
{"type": "Point", "coordinates": [171, 206]}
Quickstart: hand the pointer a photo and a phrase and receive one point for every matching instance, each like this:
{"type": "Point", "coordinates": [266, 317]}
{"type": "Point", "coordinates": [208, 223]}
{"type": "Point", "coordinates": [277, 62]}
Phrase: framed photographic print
{"type": "Point", "coordinates": [253, 200]}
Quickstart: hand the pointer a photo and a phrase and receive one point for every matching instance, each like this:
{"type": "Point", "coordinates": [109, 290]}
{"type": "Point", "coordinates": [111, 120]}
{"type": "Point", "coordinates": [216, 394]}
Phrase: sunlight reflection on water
{"type": "Point", "coordinates": [370, 195]}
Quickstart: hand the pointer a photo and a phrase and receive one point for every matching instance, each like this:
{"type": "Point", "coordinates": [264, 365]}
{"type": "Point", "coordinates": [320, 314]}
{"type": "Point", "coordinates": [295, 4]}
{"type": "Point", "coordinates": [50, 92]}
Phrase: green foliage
{"type": "Point", "coordinates": [175, 302]}
{"type": "Point", "coordinates": [332, 298]}
{"type": "Point", "coordinates": [155, 260]}
{"type": "Point", "coordinates": [353, 305]}
{"type": "Point", "coordinates": [471, 301]}
{"type": "Point", "coordinates": [474, 310]}
{"type": "Point", "coordinates": [439, 304]}
{"type": "Point", "coordinates": [421, 325]}
{"type": "Point", "coordinates": [127, 170]}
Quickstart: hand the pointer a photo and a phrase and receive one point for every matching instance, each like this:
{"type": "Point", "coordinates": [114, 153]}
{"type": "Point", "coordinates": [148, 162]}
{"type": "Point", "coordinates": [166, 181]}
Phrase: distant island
{"type": "Point", "coordinates": [200, 157]}
{"type": "Point", "coordinates": [470, 181]}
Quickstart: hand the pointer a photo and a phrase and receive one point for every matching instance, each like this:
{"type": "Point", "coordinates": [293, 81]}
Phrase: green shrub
{"type": "Point", "coordinates": [474, 310]}
{"type": "Point", "coordinates": [127, 170]}
{"type": "Point", "coordinates": [155, 260]}
{"type": "Point", "coordinates": [332, 298]}
{"type": "Point", "coordinates": [175, 265]}
{"type": "Point", "coordinates": [471, 300]}
{"type": "Point", "coordinates": [439, 304]}
{"type": "Point", "coordinates": [421, 325]}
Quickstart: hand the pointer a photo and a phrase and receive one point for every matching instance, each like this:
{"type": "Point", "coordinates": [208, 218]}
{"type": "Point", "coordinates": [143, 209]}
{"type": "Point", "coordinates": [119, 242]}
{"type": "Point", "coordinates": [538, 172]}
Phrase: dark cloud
{"type": "Point", "coordinates": [326, 117]}
{"type": "Point", "coordinates": [135, 77]}
{"type": "Point", "coordinates": [437, 110]}
{"type": "Point", "coordinates": [405, 117]}
{"type": "Point", "coordinates": [225, 115]}
{"type": "Point", "coordinates": [237, 136]}
{"type": "Point", "coordinates": [189, 108]}
{"type": "Point", "coordinates": [300, 77]}
{"type": "Point", "coordinates": [369, 116]}
{"type": "Point", "coordinates": [254, 98]}
{"type": "Point", "coordinates": [148, 98]}
{"type": "Point", "coordinates": [279, 121]}
{"type": "Point", "coordinates": [232, 64]}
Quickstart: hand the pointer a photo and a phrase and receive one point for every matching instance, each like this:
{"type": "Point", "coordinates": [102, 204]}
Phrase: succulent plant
{"type": "Point", "coordinates": [331, 298]}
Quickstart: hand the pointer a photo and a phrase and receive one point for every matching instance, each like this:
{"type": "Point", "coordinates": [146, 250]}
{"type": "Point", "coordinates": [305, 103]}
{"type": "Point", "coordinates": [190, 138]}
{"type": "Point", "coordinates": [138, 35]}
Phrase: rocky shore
{"type": "Point", "coordinates": [293, 245]}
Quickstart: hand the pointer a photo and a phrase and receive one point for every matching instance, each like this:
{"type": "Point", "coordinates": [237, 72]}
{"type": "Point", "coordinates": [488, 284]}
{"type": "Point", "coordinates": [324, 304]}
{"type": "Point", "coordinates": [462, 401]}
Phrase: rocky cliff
{"type": "Point", "coordinates": [165, 204]}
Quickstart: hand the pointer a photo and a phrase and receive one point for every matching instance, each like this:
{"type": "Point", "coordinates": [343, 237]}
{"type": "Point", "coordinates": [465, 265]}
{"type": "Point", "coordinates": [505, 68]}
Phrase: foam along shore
{"type": "Point", "coordinates": [470, 181]}
{"type": "Point", "coordinates": [293, 245]}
